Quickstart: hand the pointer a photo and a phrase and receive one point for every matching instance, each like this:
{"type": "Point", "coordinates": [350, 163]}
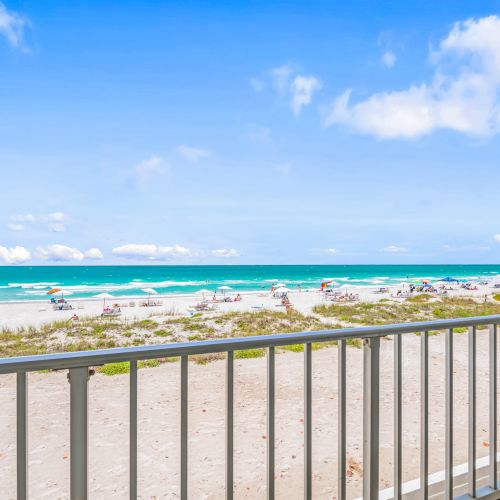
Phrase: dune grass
{"type": "Point", "coordinates": [402, 312]}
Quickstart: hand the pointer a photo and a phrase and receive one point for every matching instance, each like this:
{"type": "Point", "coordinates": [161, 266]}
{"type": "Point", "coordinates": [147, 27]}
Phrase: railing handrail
{"type": "Point", "coordinates": [98, 357]}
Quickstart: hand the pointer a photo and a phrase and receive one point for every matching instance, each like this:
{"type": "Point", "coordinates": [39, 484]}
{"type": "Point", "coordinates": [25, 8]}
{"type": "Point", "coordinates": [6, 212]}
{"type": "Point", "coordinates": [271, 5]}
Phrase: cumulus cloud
{"type": "Point", "coordinates": [16, 227]}
{"type": "Point", "coordinates": [330, 251]}
{"type": "Point", "coordinates": [225, 253]}
{"type": "Point", "coordinates": [496, 237]}
{"type": "Point", "coordinates": [192, 154]}
{"type": "Point", "coordinates": [388, 59]}
{"type": "Point", "coordinates": [303, 88]}
{"type": "Point", "coordinates": [16, 255]}
{"type": "Point", "coordinates": [12, 26]}
{"type": "Point", "coordinates": [394, 249]}
{"type": "Point", "coordinates": [463, 94]}
{"type": "Point", "coordinates": [94, 254]}
{"type": "Point", "coordinates": [59, 253]}
{"type": "Point", "coordinates": [150, 251]}
{"type": "Point", "coordinates": [281, 77]}
{"type": "Point", "coordinates": [300, 88]}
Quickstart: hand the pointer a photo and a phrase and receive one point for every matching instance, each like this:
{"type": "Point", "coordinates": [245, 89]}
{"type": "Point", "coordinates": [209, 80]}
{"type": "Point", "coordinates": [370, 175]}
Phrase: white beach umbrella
{"type": "Point", "coordinates": [224, 288]}
{"type": "Point", "coordinates": [282, 289]}
{"type": "Point", "coordinates": [103, 296]}
{"type": "Point", "coordinates": [279, 285]}
{"type": "Point", "coordinates": [203, 292]}
{"type": "Point", "coordinates": [150, 291]}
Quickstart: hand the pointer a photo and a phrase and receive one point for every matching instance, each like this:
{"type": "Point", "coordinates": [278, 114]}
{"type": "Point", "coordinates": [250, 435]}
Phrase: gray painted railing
{"type": "Point", "coordinates": [79, 363]}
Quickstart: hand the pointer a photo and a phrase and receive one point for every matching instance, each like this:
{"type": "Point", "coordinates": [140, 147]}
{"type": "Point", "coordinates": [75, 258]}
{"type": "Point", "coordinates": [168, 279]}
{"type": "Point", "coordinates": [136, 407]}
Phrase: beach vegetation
{"type": "Point", "coordinates": [385, 313]}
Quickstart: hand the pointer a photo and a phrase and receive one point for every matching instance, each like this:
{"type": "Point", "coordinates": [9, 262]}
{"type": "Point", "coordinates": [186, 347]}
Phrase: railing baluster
{"type": "Point", "coordinates": [22, 435]}
{"type": "Point", "coordinates": [184, 427]}
{"type": "Point", "coordinates": [341, 451]}
{"type": "Point", "coordinates": [78, 378]}
{"type": "Point", "coordinates": [472, 412]}
{"type": "Point", "coordinates": [449, 415]}
{"type": "Point", "coordinates": [229, 424]}
{"type": "Point", "coordinates": [493, 406]}
{"type": "Point", "coordinates": [371, 389]}
{"type": "Point", "coordinates": [270, 423]}
{"type": "Point", "coordinates": [307, 421]}
{"type": "Point", "coordinates": [397, 416]}
{"type": "Point", "coordinates": [424, 414]}
{"type": "Point", "coordinates": [133, 430]}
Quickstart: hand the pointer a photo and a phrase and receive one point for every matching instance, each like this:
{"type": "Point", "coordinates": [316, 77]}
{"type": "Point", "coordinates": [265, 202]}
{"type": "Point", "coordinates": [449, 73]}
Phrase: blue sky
{"type": "Point", "coordinates": [249, 132]}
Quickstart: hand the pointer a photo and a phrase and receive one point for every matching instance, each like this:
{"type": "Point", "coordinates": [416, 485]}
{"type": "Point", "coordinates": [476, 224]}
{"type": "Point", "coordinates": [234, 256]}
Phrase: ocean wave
{"type": "Point", "coordinates": [39, 284]}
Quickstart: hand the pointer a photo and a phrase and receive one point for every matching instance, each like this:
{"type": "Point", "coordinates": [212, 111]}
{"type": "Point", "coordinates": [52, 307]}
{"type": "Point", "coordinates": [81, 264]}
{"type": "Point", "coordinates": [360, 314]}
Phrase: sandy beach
{"type": "Point", "coordinates": [159, 413]}
{"type": "Point", "coordinates": [36, 313]}
{"type": "Point", "coordinates": [159, 425]}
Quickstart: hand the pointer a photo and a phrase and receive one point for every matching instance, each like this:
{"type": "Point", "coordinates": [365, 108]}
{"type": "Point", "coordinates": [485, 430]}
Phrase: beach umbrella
{"type": "Point", "coordinates": [279, 285]}
{"type": "Point", "coordinates": [224, 289]}
{"type": "Point", "coordinates": [282, 289]}
{"type": "Point", "coordinates": [149, 291]}
{"type": "Point", "coordinates": [103, 296]}
{"type": "Point", "coordinates": [55, 290]}
{"type": "Point", "coordinates": [203, 292]}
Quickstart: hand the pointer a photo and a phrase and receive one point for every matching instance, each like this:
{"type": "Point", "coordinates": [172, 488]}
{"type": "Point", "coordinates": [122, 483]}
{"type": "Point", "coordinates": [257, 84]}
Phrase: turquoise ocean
{"type": "Point", "coordinates": [32, 283]}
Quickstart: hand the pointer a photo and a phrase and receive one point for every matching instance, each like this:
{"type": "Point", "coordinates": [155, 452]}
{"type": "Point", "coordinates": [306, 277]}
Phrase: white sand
{"type": "Point", "coordinates": [13, 315]}
{"type": "Point", "coordinates": [159, 416]}
{"type": "Point", "coordinates": [159, 425]}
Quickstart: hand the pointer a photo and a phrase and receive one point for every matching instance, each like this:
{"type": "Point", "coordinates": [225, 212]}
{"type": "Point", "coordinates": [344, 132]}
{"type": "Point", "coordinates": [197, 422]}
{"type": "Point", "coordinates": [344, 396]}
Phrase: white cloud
{"type": "Point", "coordinates": [16, 255]}
{"type": "Point", "coordinates": [388, 59]}
{"type": "Point", "coordinates": [463, 94]}
{"type": "Point", "coordinates": [192, 154]}
{"type": "Point", "coordinates": [281, 77]}
{"type": "Point", "coordinates": [257, 84]}
{"type": "Point", "coordinates": [148, 168]}
{"type": "Point", "coordinates": [496, 237]}
{"type": "Point", "coordinates": [59, 253]}
{"type": "Point", "coordinates": [394, 249]}
{"type": "Point", "coordinates": [225, 253]}
{"type": "Point", "coordinates": [303, 88]}
{"type": "Point", "coordinates": [150, 251]}
{"type": "Point", "coordinates": [12, 26]}
{"type": "Point", "coordinates": [94, 254]}
{"type": "Point", "coordinates": [56, 221]}
{"type": "Point", "coordinates": [330, 251]}
{"type": "Point", "coordinates": [56, 217]}
{"type": "Point", "coordinates": [23, 218]}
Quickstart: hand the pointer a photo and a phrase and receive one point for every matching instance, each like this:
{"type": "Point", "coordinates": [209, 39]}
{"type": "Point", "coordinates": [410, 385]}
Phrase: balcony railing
{"type": "Point", "coordinates": [79, 364]}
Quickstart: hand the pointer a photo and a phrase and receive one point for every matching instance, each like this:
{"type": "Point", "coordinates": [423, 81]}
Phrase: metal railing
{"type": "Point", "coordinates": [79, 363]}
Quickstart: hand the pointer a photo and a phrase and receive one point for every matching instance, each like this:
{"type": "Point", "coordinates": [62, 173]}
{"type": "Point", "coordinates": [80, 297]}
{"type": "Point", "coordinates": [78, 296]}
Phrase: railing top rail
{"type": "Point", "coordinates": [60, 361]}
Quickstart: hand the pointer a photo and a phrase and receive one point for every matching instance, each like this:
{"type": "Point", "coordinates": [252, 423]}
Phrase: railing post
{"type": "Point", "coordinates": [371, 382]}
{"type": "Point", "coordinates": [78, 379]}
{"type": "Point", "coordinates": [22, 436]}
